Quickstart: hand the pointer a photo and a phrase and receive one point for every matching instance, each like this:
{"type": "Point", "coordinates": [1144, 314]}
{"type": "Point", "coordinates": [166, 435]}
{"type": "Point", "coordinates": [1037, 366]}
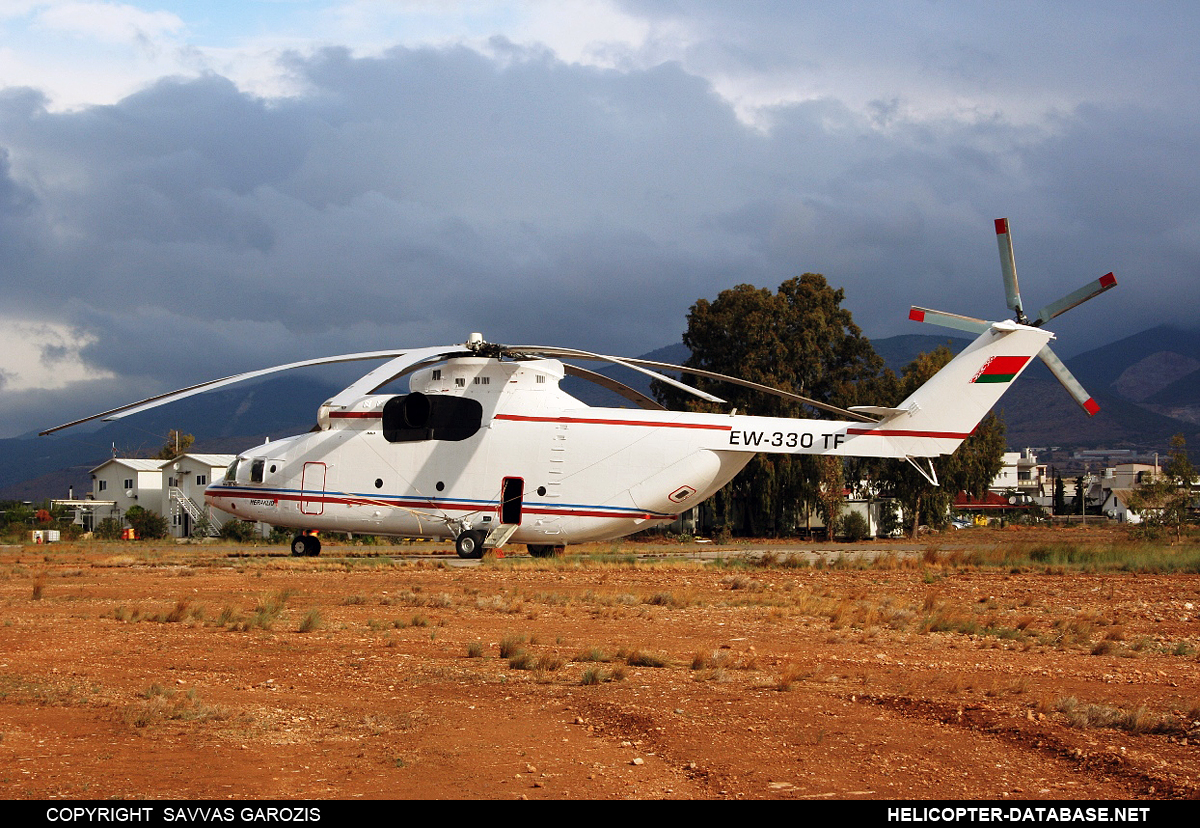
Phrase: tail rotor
{"type": "Point", "coordinates": [1012, 293]}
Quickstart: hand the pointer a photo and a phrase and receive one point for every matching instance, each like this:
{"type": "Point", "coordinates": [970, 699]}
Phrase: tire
{"type": "Point", "coordinates": [539, 550]}
{"type": "Point", "coordinates": [305, 546]}
{"type": "Point", "coordinates": [469, 544]}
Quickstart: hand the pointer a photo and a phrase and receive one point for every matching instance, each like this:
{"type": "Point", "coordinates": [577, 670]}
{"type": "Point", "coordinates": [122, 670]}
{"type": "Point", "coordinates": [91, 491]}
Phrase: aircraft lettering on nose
{"type": "Point", "coordinates": [487, 449]}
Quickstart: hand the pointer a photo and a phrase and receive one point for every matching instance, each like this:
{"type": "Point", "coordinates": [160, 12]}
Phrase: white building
{"type": "Point", "coordinates": [171, 488]}
{"type": "Point", "coordinates": [128, 482]}
{"type": "Point", "coordinates": [1118, 485]}
{"type": "Point", "coordinates": [1116, 505]}
{"type": "Point", "coordinates": [1128, 475]}
{"type": "Point", "coordinates": [1022, 475]}
{"type": "Point", "coordinates": [183, 505]}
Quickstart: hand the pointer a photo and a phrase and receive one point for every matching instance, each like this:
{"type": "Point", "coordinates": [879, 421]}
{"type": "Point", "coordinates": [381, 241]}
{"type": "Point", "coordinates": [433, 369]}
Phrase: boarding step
{"type": "Point", "coordinates": [499, 535]}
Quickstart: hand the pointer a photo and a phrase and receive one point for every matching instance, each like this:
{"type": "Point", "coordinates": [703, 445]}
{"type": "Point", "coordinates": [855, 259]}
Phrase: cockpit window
{"type": "Point", "coordinates": [231, 472]}
{"type": "Point", "coordinates": [256, 471]}
{"type": "Point", "coordinates": [416, 416]}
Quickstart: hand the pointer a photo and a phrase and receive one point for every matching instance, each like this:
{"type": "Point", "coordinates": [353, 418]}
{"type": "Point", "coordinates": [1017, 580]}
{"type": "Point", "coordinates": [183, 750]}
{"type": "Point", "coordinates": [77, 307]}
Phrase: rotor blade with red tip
{"type": "Point", "coordinates": [1008, 265]}
{"type": "Point", "coordinates": [949, 320]}
{"type": "Point", "coordinates": [1068, 381]}
{"type": "Point", "coordinates": [1077, 297]}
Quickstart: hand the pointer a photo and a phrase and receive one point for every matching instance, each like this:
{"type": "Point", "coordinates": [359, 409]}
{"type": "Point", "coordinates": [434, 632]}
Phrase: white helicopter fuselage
{"type": "Point", "coordinates": [538, 459]}
{"type": "Point", "coordinates": [479, 443]}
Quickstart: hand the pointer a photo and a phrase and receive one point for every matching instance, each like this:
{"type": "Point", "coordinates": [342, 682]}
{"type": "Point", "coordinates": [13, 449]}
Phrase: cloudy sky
{"type": "Point", "coordinates": [191, 189]}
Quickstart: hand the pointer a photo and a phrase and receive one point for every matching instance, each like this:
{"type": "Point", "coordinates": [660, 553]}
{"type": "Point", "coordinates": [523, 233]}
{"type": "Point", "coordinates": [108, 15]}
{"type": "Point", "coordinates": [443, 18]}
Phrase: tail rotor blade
{"type": "Point", "coordinates": [1008, 266]}
{"type": "Point", "coordinates": [1068, 381]}
{"type": "Point", "coordinates": [948, 320]}
{"type": "Point", "coordinates": [1077, 297]}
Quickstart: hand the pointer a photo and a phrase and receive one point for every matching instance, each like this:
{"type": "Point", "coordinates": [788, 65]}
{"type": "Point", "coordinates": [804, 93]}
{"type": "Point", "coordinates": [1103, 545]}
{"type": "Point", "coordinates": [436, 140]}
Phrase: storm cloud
{"type": "Point", "coordinates": [192, 229]}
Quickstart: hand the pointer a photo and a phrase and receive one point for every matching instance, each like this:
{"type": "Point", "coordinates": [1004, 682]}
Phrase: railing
{"type": "Point", "coordinates": [201, 521]}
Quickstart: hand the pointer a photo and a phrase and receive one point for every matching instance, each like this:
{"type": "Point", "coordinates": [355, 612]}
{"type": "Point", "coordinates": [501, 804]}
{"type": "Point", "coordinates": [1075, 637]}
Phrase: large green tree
{"type": "Point", "coordinates": [797, 339]}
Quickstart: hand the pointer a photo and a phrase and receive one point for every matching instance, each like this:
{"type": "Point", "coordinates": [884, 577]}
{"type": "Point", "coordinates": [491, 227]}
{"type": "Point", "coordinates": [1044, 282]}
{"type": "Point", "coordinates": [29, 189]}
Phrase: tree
{"type": "Point", "coordinates": [1060, 496]}
{"type": "Point", "coordinates": [971, 468]}
{"type": "Point", "coordinates": [177, 443]}
{"type": "Point", "coordinates": [1167, 500]}
{"type": "Point", "coordinates": [798, 339]}
{"type": "Point", "coordinates": [832, 485]}
{"type": "Point", "coordinates": [145, 523]}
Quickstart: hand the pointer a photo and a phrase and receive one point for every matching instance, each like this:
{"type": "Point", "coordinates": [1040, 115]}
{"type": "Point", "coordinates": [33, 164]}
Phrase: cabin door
{"type": "Point", "coordinates": [512, 492]}
{"type": "Point", "coordinates": [312, 489]}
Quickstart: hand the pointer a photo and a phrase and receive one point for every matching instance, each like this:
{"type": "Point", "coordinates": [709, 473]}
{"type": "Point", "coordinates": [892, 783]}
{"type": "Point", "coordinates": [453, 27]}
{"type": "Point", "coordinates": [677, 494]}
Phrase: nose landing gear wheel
{"type": "Point", "coordinates": [469, 544]}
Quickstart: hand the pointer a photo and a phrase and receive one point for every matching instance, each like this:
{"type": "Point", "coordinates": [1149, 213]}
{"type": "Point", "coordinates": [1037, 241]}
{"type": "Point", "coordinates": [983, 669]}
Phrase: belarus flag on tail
{"type": "Point", "coordinates": [1001, 369]}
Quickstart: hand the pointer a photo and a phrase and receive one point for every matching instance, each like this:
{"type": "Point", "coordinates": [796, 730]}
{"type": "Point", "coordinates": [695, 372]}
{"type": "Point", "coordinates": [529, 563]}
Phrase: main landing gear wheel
{"type": "Point", "coordinates": [540, 550]}
{"type": "Point", "coordinates": [470, 544]}
{"type": "Point", "coordinates": [305, 546]}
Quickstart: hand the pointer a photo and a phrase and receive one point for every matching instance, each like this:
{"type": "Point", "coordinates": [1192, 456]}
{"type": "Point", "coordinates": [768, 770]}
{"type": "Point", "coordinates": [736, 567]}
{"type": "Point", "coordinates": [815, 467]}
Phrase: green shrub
{"type": "Point", "coordinates": [238, 530]}
{"type": "Point", "coordinates": [853, 527]}
{"type": "Point", "coordinates": [147, 524]}
{"type": "Point", "coordinates": [109, 529]}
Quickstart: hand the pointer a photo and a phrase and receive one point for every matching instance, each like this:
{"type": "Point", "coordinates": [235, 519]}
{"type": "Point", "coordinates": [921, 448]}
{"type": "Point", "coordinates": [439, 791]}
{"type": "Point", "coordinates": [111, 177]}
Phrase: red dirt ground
{"type": "Point", "coordinates": [182, 672]}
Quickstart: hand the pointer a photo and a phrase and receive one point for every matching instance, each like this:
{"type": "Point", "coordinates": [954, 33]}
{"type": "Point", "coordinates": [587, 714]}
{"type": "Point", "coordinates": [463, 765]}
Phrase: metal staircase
{"type": "Point", "coordinates": [202, 522]}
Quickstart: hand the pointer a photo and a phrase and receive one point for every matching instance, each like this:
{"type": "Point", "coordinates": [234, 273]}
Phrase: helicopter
{"type": "Point", "coordinates": [486, 448]}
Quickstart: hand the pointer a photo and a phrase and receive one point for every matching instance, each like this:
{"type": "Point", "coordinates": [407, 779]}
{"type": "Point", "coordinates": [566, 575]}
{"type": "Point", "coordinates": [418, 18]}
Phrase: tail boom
{"type": "Point", "coordinates": [934, 420]}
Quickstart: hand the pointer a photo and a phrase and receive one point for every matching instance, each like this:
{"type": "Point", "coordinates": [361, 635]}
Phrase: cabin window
{"type": "Point", "coordinates": [415, 417]}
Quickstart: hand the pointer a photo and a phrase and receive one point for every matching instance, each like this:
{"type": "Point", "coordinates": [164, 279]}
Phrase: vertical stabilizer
{"type": "Point", "coordinates": [944, 411]}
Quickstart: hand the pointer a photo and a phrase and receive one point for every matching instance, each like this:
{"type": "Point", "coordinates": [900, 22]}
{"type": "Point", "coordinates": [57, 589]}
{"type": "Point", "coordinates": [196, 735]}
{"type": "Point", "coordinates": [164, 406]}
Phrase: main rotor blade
{"type": "Point", "coordinates": [634, 396]}
{"type": "Point", "coordinates": [1077, 297]}
{"type": "Point", "coordinates": [1068, 381]}
{"type": "Point", "coordinates": [399, 366]}
{"type": "Point", "coordinates": [1008, 265]}
{"type": "Point", "coordinates": [766, 389]}
{"type": "Point", "coordinates": [632, 364]}
{"type": "Point", "coordinates": [700, 372]}
{"type": "Point", "coordinates": [181, 393]}
{"type": "Point", "coordinates": [949, 320]}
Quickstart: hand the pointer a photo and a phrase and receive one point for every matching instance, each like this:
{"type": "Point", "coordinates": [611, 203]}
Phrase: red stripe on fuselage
{"type": "Point", "coordinates": [902, 432]}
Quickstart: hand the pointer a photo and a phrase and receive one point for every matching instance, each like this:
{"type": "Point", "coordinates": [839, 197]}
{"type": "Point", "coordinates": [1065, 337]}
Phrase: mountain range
{"type": "Point", "coordinates": [1147, 386]}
